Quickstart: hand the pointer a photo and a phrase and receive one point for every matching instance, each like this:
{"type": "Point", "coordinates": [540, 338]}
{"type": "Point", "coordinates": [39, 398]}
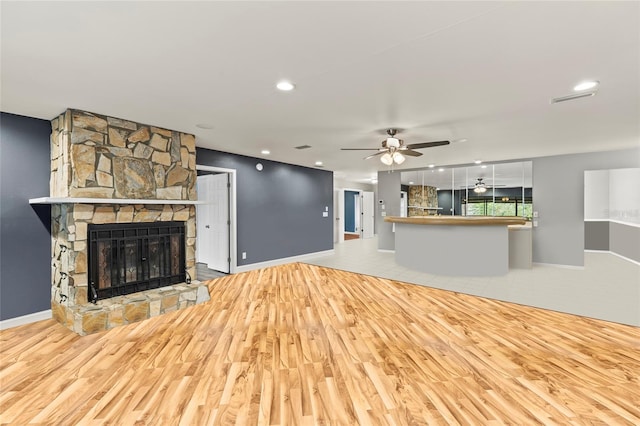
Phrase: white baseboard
{"type": "Point", "coordinates": [557, 265]}
{"type": "Point", "coordinates": [386, 251]}
{"type": "Point", "coordinates": [615, 254]}
{"type": "Point", "coordinates": [25, 319]}
{"type": "Point", "coordinates": [282, 261]}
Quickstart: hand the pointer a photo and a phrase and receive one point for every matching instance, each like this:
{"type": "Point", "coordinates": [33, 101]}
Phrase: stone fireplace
{"type": "Point", "coordinates": [120, 174]}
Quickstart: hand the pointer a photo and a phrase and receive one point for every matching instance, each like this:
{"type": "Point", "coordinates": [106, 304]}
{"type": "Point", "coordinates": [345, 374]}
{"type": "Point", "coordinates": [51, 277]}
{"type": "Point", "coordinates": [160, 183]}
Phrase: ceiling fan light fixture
{"type": "Point", "coordinates": [386, 159]}
{"type": "Point", "coordinates": [393, 143]}
{"type": "Point", "coordinates": [398, 158]}
{"type": "Point", "coordinates": [480, 189]}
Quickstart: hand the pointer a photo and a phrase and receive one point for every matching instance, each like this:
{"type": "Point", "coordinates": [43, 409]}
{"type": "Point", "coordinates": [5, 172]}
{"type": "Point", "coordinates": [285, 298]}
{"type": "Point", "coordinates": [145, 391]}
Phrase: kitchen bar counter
{"type": "Point", "coordinates": [454, 245]}
{"type": "Point", "coordinates": [457, 220]}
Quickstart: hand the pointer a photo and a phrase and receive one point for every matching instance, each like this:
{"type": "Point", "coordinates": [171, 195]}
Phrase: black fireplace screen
{"type": "Point", "coordinates": [131, 257]}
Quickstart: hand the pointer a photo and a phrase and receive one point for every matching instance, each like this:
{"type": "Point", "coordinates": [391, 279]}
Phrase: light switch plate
{"type": "Point", "coordinates": [325, 214]}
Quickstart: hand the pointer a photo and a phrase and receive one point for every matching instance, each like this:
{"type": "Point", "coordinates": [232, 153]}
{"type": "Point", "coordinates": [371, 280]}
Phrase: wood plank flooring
{"type": "Point", "coordinates": [302, 344]}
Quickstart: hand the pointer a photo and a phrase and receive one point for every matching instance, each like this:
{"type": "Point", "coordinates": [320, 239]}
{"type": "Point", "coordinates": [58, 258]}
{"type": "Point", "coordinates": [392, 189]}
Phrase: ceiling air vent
{"type": "Point", "coordinates": [572, 97]}
{"type": "Point", "coordinates": [303, 147]}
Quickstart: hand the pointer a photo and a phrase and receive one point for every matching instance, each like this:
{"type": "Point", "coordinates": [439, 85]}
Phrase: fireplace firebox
{"type": "Point", "coordinates": [132, 257]}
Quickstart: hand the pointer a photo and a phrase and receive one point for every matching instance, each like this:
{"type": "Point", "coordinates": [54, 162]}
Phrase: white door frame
{"type": "Point", "coordinates": [357, 211]}
{"type": "Point", "coordinates": [342, 217]}
{"type": "Point", "coordinates": [338, 208]}
{"type": "Point", "coordinates": [233, 228]}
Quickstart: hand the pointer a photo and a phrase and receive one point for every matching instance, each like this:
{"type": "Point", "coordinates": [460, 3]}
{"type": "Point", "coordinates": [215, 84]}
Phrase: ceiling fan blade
{"type": "Point", "coordinates": [359, 149]}
{"type": "Point", "coordinates": [375, 155]}
{"type": "Point", "coordinates": [427, 144]}
{"type": "Point", "coordinates": [410, 153]}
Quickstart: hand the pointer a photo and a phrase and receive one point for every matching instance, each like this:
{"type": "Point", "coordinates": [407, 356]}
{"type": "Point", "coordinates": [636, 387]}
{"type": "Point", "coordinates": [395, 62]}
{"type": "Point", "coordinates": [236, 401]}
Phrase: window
{"type": "Point", "coordinates": [501, 207]}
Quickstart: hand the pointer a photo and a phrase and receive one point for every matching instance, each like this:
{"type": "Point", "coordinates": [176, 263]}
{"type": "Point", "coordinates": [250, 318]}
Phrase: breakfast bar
{"type": "Point", "coordinates": [454, 245]}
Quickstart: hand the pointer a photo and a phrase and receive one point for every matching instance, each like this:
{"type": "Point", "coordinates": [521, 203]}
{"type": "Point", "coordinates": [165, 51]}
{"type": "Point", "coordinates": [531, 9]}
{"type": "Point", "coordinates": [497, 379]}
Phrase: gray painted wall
{"type": "Point", "coordinates": [25, 240]}
{"type": "Point", "coordinates": [389, 192]}
{"type": "Point", "coordinates": [558, 197]}
{"type": "Point", "coordinates": [625, 240]}
{"type": "Point", "coordinates": [279, 209]}
{"type": "Point", "coordinates": [596, 235]}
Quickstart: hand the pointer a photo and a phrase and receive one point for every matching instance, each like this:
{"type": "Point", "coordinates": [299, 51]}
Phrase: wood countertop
{"type": "Point", "coordinates": [457, 220]}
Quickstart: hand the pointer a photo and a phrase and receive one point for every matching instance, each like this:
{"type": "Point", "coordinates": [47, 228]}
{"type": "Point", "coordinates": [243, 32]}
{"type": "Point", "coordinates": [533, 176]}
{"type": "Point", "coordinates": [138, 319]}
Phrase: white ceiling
{"type": "Point", "coordinates": [481, 71]}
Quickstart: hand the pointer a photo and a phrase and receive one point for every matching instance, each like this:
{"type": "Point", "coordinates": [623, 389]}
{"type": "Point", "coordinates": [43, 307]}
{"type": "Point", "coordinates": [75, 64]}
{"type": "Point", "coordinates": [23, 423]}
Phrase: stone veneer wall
{"type": "Point", "coordinates": [94, 156]}
{"type": "Point", "coordinates": [104, 157]}
{"type": "Point", "coordinates": [423, 196]}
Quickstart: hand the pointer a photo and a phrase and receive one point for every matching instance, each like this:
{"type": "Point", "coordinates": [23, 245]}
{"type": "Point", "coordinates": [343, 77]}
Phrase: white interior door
{"type": "Point", "coordinates": [203, 242]}
{"type": "Point", "coordinates": [367, 211]}
{"type": "Point", "coordinates": [213, 223]}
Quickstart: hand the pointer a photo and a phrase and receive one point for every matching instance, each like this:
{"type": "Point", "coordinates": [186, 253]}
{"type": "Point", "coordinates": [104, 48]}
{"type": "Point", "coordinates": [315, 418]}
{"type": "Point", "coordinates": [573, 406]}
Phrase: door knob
{"type": "Point", "coordinates": [206, 226]}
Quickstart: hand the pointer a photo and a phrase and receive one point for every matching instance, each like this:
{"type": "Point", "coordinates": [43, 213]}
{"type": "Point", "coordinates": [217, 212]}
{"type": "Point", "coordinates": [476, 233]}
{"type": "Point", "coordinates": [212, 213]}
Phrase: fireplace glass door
{"type": "Point", "coordinates": [132, 257]}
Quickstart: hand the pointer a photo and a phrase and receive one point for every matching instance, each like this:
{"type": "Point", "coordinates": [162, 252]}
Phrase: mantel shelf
{"type": "Point", "coordinates": [70, 200]}
{"type": "Point", "coordinates": [425, 208]}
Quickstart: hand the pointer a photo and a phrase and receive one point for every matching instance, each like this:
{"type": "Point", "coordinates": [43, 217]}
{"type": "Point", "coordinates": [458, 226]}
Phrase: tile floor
{"type": "Point", "coordinates": [205, 274]}
{"type": "Point", "coordinates": [607, 288]}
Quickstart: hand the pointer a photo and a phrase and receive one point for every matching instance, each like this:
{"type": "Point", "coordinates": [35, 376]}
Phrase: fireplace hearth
{"type": "Point", "coordinates": [127, 258]}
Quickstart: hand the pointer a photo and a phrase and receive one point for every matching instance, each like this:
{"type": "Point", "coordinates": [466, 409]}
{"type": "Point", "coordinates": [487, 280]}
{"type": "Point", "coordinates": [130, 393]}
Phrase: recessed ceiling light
{"type": "Point", "coordinates": [285, 86]}
{"type": "Point", "coordinates": [205, 126]}
{"type": "Point", "coordinates": [585, 85]}
{"type": "Point", "coordinates": [478, 161]}
{"type": "Point", "coordinates": [431, 166]}
{"type": "Point", "coordinates": [411, 183]}
{"type": "Point", "coordinates": [483, 166]}
{"type": "Point", "coordinates": [460, 140]}
{"type": "Point", "coordinates": [265, 152]}
{"type": "Point", "coordinates": [318, 163]}
{"type": "Point", "coordinates": [374, 180]}
{"type": "Point", "coordinates": [441, 170]}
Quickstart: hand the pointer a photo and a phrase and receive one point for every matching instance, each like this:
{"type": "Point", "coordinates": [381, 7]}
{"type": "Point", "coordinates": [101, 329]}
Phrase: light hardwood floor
{"type": "Point", "coordinates": [302, 344]}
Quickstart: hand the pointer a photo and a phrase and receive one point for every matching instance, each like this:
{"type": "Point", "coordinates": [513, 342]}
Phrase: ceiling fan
{"type": "Point", "coordinates": [394, 149]}
{"type": "Point", "coordinates": [480, 186]}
